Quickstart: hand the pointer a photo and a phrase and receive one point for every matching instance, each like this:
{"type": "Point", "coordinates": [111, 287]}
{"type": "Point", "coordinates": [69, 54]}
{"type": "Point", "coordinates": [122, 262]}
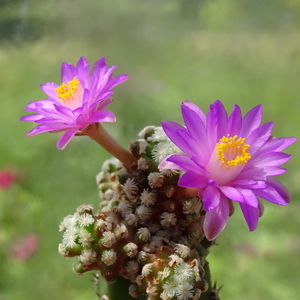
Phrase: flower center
{"type": "Point", "coordinates": [65, 91]}
{"type": "Point", "coordinates": [233, 151]}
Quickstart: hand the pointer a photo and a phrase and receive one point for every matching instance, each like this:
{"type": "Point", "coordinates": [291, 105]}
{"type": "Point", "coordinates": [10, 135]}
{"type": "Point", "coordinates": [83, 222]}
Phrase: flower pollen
{"type": "Point", "coordinates": [233, 151]}
{"type": "Point", "coordinates": [65, 92]}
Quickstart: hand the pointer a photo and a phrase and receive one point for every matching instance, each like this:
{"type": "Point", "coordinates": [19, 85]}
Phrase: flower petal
{"type": "Point", "coordinates": [216, 219]}
{"type": "Point", "coordinates": [215, 124]}
{"type": "Point", "coordinates": [102, 116]}
{"type": "Point", "coordinates": [164, 164]}
{"type": "Point", "coordinates": [192, 179]}
{"type": "Point", "coordinates": [251, 120]}
{"type": "Point", "coordinates": [258, 137]}
{"type": "Point", "coordinates": [197, 130]}
{"type": "Point", "coordinates": [234, 123]}
{"type": "Point", "coordinates": [276, 192]}
{"type": "Point", "coordinates": [68, 72]}
{"type": "Point", "coordinates": [251, 215]}
{"type": "Point", "coordinates": [65, 138]}
{"type": "Point", "coordinates": [211, 198]}
{"type": "Point", "coordinates": [196, 109]}
{"type": "Point", "coordinates": [277, 144]}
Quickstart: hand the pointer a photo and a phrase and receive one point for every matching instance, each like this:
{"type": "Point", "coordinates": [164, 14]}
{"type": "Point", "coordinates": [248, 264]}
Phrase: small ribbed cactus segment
{"type": "Point", "coordinates": [143, 230]}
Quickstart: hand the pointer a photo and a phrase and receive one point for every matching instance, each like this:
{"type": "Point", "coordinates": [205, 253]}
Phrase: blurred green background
{"type": "Point", "coordinates": [242, 52]}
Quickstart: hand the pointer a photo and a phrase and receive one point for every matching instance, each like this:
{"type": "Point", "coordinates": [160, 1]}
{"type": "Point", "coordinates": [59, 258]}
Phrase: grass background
{"type": "Point", "coordinates": [239, 51]}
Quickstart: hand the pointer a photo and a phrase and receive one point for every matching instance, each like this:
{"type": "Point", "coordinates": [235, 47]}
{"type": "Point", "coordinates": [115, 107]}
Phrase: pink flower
{"type": "Point", "coordinates": [6, 179]}
{"type": "Point", "coordinates": [228, 159]}
{"type": "Point", "coordinates": [76, 103]}
{"type": "Point", "coordinates": [25, 247]}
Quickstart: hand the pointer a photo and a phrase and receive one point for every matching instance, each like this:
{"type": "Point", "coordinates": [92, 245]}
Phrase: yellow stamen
{"type": "Point", "coordinates": [66, 91]}
{"type": "Point", "coordinates": [233, 151]}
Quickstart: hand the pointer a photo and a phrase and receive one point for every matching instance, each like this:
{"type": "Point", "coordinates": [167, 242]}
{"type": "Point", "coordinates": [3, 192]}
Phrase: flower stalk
{"type": "Point", "coordinates": [98, 133]}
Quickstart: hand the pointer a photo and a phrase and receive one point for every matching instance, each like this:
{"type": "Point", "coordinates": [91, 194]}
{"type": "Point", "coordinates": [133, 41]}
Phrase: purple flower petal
{"type": "Point", "coordinates": [32, 118]}
{"type": "Point", "coordinates": [251, 120]}
{"type": "Point", "coordinates": [68, 72]}
{"type": "Point", "coordinates": [47, 128]}
{"type": "Point", "coordinates": [216, 219]}
{"type": "Point", "coordinates": [192, 106]}
{"type": "Point", "coordinates": [276, 192]}
{"type": "Point", "coordinates": [116, 81]}
{"type": "Point", "coordinates": [196, 129]}
{"type": "Point", "coordinates": [234, 123]}
{"type": "Point", "coordinates": [65, 139]}
{"type": "Point", "coordinates": [277, 144]}
{"type": "Point", "coordinates": [251, 215]}
{"type": "Point", "coordinates": [99, 68]}
{"type": "Point", "coordinates": [258, 137]}
{"type": "Point", "coordinates": [211, 198]}
{"type": "Point", "coordinates": [215, 124]}
{"type": "Point", "coordinates": [102, 116]}
{"type": "Point", "coordinates": [164, 164]}
{"type": "Point", "coordinates": [49, 89]}
{"type": "Point", "coordinates": [192, 179]}
{"type": "Point", "coordinates": [170, 128]}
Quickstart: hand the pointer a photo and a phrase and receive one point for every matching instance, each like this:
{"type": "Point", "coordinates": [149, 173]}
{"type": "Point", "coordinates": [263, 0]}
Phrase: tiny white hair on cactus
{"type": "Point", "coordinates": [144, 233]}
{"type": "Point", "coordinates": [145, 130]}
{"type": "Point", "coordinates": [143, 145]}
{"type": "Point", "coordinates": [184, 272]}
{"type": "Point", "coordinates": [164, 273]}
{"type": "Point", "coordinates": [168, 219]}
{"type": "Point", "coordinates": [168, 172]}
{"type": "Point", "coordinates": [132, 291]}
{"type": "Point", "coordinates": [71, 220]}
{"type": "Point", "coordinates": [182, 250]}
{"type": "Point", "coordinates": [147, 268]}
{"type": "Point", "coordinates": [62, 250]}
{"type": "Point", "coordinates": [121, 231]}
{"type": "Point", "coordinates": [85, 220]}
{"type": "Point", "coordinates": [88, 257]}
{"type": "Point", "coordinates": [158, 135]}
{"type": "Point", "coordinates": [124, 208]}
{"type": "Point", "coordinates": [131, 249]}
{"type": "Point", "coordinates": [130, 188]}
{"type": "Point", "coordinates": [148, 198]}
{"type": "Point", "coordinates": [69, 237]}
{"type": "Point", "coordinates": [131, 219]}
{"type": "Point", "coordinates": [192, 205]}
{"type": "Point", "coordinates": [151, 290]}
{"type": "Point", "coordinates": [142, 255]}
{"type": "Point", "coordinates": [144, 212]}
{"type": "Point", "coordinates": [100, 225]}
{"type": "Point", "coordinates": [156, 241]}
{"type": "Point", "coordinates": [108, 194]}
{"type": "Point", "coordinates": [155, 180]}
{"type": "Point", "coordinates": [184, 291]}
{"type": "Point", "coordinates": [85, 238]}
{"type": "Point", "coordinates": [109, 257]}
{"type": "Point", "coordinates": [108, 239]}
{"type": "Point", "coordinates": [84, 207]}
{"type": "Point", "coordinates": [142, 164]}
{"type": "Point", "coordinates": [65, 223]}
{"type": "Point", "coordinates": [100, 177]}
{"type": "Point", "coordinates": [139, 280]}
{"type": "Point", "coordinates": [132, 267]}
{"type": "Point", "coordinates": [161, 150]}
{"type": "Point", "coordinates": [170, 287]}
{"type": "Point", "coordinates": [109, 221]}
{"type": "Point", "coordinates": [108, 162]}
{"type": "Point", "coordinates": [175, 259]}
{"type": "Point", "coordinates": [197, 294]}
